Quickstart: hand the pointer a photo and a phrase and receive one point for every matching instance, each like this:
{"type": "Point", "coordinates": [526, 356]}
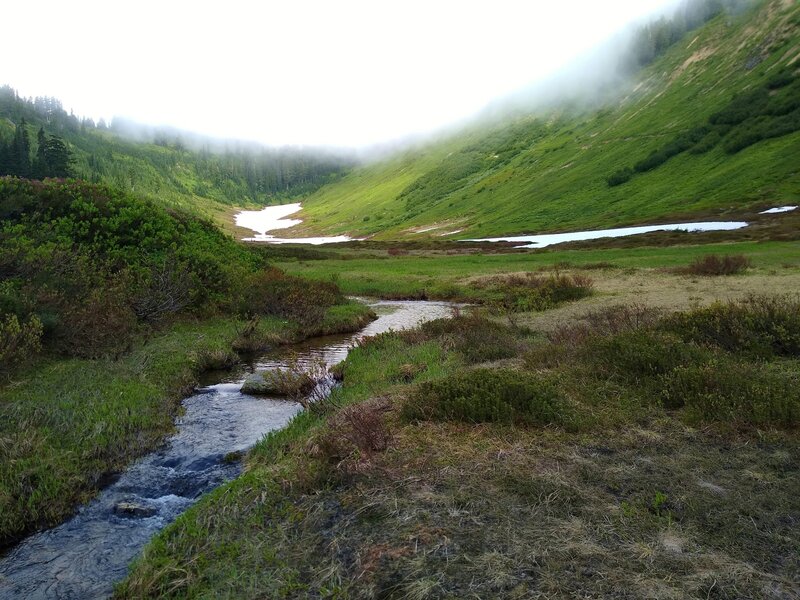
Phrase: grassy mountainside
{"type": "Point", "coordinates": [550, 171]}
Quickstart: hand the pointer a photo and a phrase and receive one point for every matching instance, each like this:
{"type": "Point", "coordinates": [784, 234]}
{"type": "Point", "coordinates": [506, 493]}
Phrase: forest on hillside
{"type": "Point", "coordinates": [167, 164]}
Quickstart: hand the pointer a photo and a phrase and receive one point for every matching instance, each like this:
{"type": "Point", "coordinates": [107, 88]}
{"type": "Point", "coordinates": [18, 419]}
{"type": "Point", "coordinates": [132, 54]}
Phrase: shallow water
{"type": "Point", "coordinates": [271, 218]}
{"type": "Point", "coordinates": [541, 241]}
{"type": "Point", "coordinates": [85, 556]}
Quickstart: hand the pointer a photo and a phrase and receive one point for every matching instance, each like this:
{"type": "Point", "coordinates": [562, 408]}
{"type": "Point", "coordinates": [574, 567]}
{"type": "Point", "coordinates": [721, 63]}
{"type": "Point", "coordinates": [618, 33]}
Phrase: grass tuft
{"type": "Point", "coordinates": [713, 264]}
{"type": "Point", "coordinates": [489, 396]}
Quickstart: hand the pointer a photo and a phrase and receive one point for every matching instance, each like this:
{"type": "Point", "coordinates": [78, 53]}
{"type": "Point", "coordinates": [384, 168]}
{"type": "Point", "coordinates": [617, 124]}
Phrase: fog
{"type": "Point", "coordinates": [346, 74]}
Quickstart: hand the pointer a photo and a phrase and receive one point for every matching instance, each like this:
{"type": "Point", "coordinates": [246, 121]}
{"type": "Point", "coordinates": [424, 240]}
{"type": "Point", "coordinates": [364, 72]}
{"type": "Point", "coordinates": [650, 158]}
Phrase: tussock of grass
{"type": "Point", "coordinates": [523, 292]}
{"type": "Point", "coordinates": [489, 396]}
{"type": "Point", "coordinates": [713, 264]}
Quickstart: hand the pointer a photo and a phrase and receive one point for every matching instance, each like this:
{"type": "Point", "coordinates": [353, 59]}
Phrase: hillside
{"type": "Point", "coordinates": [175, 168]}
{"type": "Point", "coordinates": [707, 129]}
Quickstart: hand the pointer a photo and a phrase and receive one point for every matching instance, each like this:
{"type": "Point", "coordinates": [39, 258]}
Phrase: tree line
{"type": "Point", "coordinates": [159, 163]}
{"type": "Point", "coordinates": [51, 158]}
{"type": "Point", "coordinates": [652, 40]}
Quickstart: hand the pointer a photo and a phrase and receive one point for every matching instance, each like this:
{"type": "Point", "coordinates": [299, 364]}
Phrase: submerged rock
{"type": "Point", "coordinates": [278, 382]}
{"type": "Point", "coordinates": [134, 509]}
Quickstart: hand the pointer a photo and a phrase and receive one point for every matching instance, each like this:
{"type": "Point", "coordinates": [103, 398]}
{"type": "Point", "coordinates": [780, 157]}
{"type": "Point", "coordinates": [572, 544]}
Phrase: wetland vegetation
{"type": "Point", "coordinates": [600, 418]}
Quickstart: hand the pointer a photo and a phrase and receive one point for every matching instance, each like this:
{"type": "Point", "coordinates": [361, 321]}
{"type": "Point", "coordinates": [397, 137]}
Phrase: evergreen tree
{"type": "Point", "coordinates": [21, 151]}
{"type": "Point", "coordinates": [40, 167]}
{"type": "Point", "coordinates": [5, 159]}
{"type": "Point", "coordinates": [58, 158]}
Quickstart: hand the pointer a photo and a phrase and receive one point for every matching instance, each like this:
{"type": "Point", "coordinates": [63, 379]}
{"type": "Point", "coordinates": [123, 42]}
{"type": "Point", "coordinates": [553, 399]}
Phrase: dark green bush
{"type": "Point", "coordinates": [708, 142]}
{"type": "Point", "coordinates": [19, 341]}
{"type": "Point", "coordinates": [619, 177]}
{"type": "Point", "coordinates": [640, 355]}
{"type": "Point", "coordinates": [781, 79]}
{"type": "Point", "coordinates": [758, 326]}
{"type": "Point", "coordinates": [681, 143]}
{"type": "Point", "coordinates": [475, 337]}
{"type": "Point", "coordinates": [489, 396]}
{"type": "Point", "coordinates": [96, 265]}
{"type": "Point", "coordinates": [731, 390]}
{"type": "Point", "coordinates": [742, 107]}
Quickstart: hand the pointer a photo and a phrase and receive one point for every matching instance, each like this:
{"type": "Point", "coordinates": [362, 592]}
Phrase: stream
{"type": "Point", "coordinates": [84, 557]}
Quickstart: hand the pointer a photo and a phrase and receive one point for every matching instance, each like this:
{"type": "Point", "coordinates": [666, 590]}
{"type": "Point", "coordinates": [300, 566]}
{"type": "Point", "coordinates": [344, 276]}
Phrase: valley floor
{"type": "Point", "coordinates": [615, 485]}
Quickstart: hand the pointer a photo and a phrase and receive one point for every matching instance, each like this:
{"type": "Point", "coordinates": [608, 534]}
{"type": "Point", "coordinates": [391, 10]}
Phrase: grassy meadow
{"type": "Point", "coordinates": [633, 453]}
{"type": "Point", "coordinates": [450, 274]}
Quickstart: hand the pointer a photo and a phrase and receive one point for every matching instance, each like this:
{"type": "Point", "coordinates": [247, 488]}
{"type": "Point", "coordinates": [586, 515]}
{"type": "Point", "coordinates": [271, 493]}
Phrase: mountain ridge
{"type": "Point", "coordinates": [549, 171]}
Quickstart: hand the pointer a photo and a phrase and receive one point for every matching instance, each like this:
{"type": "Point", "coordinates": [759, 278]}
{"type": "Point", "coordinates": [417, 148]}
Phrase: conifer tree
{"type": "Point", "coordinates": [21, 151]}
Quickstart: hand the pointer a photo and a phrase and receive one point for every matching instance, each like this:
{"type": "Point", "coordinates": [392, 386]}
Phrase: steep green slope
{"type": "Point", "coordinates": [549, 171]}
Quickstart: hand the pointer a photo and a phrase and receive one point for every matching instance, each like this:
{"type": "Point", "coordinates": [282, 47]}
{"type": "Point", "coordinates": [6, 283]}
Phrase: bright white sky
{"type": "Point", "coordinates": [339, 72]}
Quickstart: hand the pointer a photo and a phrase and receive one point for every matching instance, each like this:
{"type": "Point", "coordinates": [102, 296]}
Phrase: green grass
{"type": "Point", "coordinates": [460, 508]}
{"type": "Point", "coordinates": [548, 171]}
{"type": "Point", "coordinates": [443, 276]}
{"type": "Point", "coordinates": [65, 424]}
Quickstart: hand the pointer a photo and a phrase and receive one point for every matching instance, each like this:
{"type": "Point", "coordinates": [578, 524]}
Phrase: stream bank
{"type": "Point", "coordinates": [83, 557]}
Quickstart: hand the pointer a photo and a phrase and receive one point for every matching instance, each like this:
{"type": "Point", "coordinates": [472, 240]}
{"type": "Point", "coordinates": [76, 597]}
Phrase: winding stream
{"type": "Point", "coordinates": [85, 556]}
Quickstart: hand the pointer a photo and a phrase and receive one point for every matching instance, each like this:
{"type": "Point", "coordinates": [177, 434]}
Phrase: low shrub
{"type": "Point", "coordinates": [19, 341]}
{"type": "Point", "coordinates": [640, 355]}
{"type": "Point", "coordinates": [102, 324]}
{"type": "Point", "coordinates": [489, 396]}
{"type": "Point", "coordinates": [724, 389]}
{"type": "Point", "coordinates": [475, 337]}
{"type": "Point", "coordinates": [619, 177]}
{"type": "Point", "coordinates": [273, 292]}
{"type": "Point", "coordinates": [163, 289]}
{"type": "Point", "coordinates": [713, 264]}
{"type": "Point", "coordinates": [609, 321]}
{"type": "Point", "coordinates": [525, 292]}
{"type": "Point", "coordinates": [760, 326]}
{"type": "Point", "coordinates": [355, 432]}
{"type": "Point", "coordinates": [708, 142]}
{"type": "Point", "coordinates": [681, 143]}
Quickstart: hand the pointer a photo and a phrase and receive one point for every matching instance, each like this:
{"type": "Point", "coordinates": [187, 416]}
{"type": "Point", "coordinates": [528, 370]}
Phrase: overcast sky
{"type": "Point", "coordinates": [336, 72]}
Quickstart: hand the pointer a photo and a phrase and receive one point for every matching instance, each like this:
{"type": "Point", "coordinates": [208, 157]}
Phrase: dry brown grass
{"type": "Point", "coordinates": [655, 511]}
{"type": "Point", "coordinates": [354, 435]}
{"type": "Point", "coordinates": [660, 290]}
